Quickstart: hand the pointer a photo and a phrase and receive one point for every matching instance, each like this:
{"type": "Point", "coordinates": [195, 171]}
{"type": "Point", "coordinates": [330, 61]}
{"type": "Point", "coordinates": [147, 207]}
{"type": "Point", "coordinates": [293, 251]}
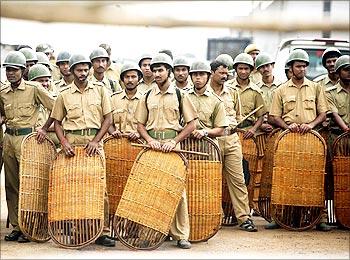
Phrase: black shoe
{"type": "Point", "coordinates": [248, 225]}
{"type": "Point", "coordinates": [323, 227]}
{"type": "Point", "coordinates": [184, 244]}
{"type": "Point", "coordinates": [23, 239]}
{"type": "Point", "coordinates": [105, 241]}
{"type": "Point", "coordinates": [13, 236]}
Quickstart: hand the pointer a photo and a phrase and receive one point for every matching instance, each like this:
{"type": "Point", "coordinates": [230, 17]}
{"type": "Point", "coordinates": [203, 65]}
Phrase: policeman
{"type": "Point", "coordinates": [31, 59]}
{"type": "Point", "coordinates": [44, 60]}
{"type": "Point", "coordinates": [181, 70]}
{"type": "Point", "coordinates": [265, 65]}
{"type": "Point", "coordinates": [99, 59]}
{"type": "Point", "coordinates": [329, 56]}
{"type": "Point", "coordinates": [19, 103]}
{"type": "Point", "coordinates": [230, 146]}
{"type": "Point", "coordinates": [287, 72]}
{"type": "Point", "coordinates": [299, 105]}
{"type": "Point", "coordinates": [124, 103]}
{"type": "Point", "coordinates": [113, 69]}
{"type": "Point", "coordinates": [227, 59]}
{"type": "Point", "coordinates": [147, 82]}
{"type": "Point", "coordinates": [48, 51]}
{"type": "Point", "coordinates": [253, 50]}
{"type": "Point", "coordinates": [249, 93]}
{"type": "Point", "coordinates": [158, 115]}
{"type": "Point", "coordinates": [338, 97]}
{"type": "Point", "coordinates": [84, 107]}
{"type": "Point", "coordinates": [63, 65]}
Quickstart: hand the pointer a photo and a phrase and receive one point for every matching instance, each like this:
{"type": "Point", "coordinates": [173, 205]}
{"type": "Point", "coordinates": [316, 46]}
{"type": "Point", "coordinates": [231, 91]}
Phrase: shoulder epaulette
{"type": "Point", "coordinates": [330, 88]}
{"type": "Point", "coordinates": [32, 83]}
{"type": "Point", "coordinates": [63, 89]}
{"type": "Point", "coordinates": [117, 92]}
{"type": "Point", "coordinates": [96, 83]}
{"type": "Point", "coordinates": [320, 78]}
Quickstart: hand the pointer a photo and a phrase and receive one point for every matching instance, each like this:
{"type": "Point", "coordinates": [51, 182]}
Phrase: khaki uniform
{"type": "Point", "coordinates": [143, 87]}
{"type": "Point", "coordinates": [231, 152]}
{"type": "Point", "coordinates": [325, 81]}
{"type": "Point", "coordinates": [296, 105]}
{"type": "Point", "coordinates": [59, 85]}
{"type": "Point", "coordinates": [162, 113]}
{"type": "Point", "coordinates": [188, 86]}
{"type": "Point", "coordinates": [111, 85]}
{"type": "Point", "coordinates": [255, 76]}
{"type": "Point", "coordinates": [55, 72]}
{"type": "Point", "coordinates": [124, 109]}
{"type": "Point", "coordinates": [251, 98]}
{"type": "Point", "coordinates": [339, 102]}
{"type": "Point", "coordinates": [267, 91]}
{"type": "Point", "coordinates": [83, 110]}
{"type": "Point", "coordinates": [21, 109]}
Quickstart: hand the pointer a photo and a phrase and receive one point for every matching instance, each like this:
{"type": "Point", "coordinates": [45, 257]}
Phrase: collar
{"type": "Point", "coordinates": [138, 95]}
{"type": "Point", "coordinates": [340, 88]}
{"type": "Point", "coordinates": [74, 88]}
{"type": "Point", "coordinates": [306, 83]}
{"type": "Point", "coordinates": [170, 90]}
{"type": "Point", "coordinates": [207, 92]}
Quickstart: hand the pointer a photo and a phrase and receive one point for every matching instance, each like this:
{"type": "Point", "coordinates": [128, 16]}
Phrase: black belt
{"type": "Point", "coordinates": [88, 131]}
{"type": "Point", "coordinates": [19, 131]}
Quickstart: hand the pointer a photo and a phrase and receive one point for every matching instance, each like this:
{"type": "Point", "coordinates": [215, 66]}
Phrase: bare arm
{"type": "Point", "coordinates": [340, 122]}
{"type": "Point", "coordinates": [67, 148]}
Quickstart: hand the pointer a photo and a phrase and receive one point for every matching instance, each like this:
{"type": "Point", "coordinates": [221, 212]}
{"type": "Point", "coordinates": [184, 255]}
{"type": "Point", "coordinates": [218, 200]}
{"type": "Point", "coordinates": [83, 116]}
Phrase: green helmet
{"type": "Point", "coordinates": [331, 51]}
{"type": "Point", "coordinates": [162, 58]}
{"type": "Point", "coordinates": [99, 53]}
{"type": "Point", "coordinates": [200, 66]}
{"type": "Point", "coordinates": [130, 66]}
{"type": "Point", "coordinates": [62, 57]}
{"type": "Point", "coordinates": [77, 59]}
{"type": "Point", "coordinates": [15, 59]}
{"type": "Point", "coordinates": [38, 71]}
{"type": "Point", "coordinates": [43, 59]}
{"type": "Point", "coordinates": [263, 59]}
{"type": "Point", "coordinates": [44, 47]}
{"type": "Point", "coordinates": [144, 56]}
{"type": "Point", "coordinates": [341, 62]}
{"type": "Point", "coordinates": [245, 59]}
{"type": "Point", "coordinates": [181, 61]}
{"type": "Point", "coordinates": [298, 55]}
{"type": "Point", "coordinates": [225, 59]}
{"type": "Point", "coordinates": [29, 54]}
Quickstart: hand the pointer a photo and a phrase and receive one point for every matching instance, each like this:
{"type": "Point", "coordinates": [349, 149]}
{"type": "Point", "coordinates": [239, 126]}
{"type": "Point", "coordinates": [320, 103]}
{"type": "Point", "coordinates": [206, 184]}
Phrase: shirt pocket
{"type": "Point", "coordinates": [309, 103]}
{"type": "Point", "coordinates": [171, 112]}
{"type": "Point", "coordinates": [9, 111]}
{"type": "Point", "coordinates": [342, 108]}
{"type": "Point", "coordinates": [119, 116]}
{"type": "Point", "coordinates": [152, 112]}
{"type": "Point", "coordinates": [74, 111]}
{"type": "Point", "coordinates": [205, 115]}
{"type": "Point", "coordinates": [247, 106]}
{"type": "Point", "coordinates": [289, 104]}
{"type": "Point", "coordinates": [25, 110]}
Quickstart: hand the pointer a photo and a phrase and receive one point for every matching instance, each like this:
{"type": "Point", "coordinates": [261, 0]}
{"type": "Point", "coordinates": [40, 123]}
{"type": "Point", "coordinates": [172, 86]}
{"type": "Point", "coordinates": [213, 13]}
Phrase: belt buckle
{"type": "Point", "coordinates": [15, 132]}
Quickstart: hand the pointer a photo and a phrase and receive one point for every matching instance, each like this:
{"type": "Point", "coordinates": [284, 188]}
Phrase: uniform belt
{"type": "Point", "coordinates": [19, 131]}
{"type": "Point", "coordinates": [165, 134]}
{"type": "Point", "coordinates": [88, 131]}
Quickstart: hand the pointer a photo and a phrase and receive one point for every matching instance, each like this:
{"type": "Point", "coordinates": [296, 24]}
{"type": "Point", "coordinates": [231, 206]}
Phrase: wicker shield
{"type": "Point", "coordinates": [36, 161]}
{"type": "Point", "coordinates": [341, 171]}
{"type": "Point", "coordinates": [120, 156]}
{"type": "Point", "coordinates": [76, 193]}
{"type": "Point", "coordinates": [250, 153]}
{"type": "Point", "coordinates": [150, 199]}
{"type": "Point", "coordinates": [264, 201]}
{"type": "Point", "coordinates": [203, 188]}
{"type": "Point", "coordinates": [297, 194]}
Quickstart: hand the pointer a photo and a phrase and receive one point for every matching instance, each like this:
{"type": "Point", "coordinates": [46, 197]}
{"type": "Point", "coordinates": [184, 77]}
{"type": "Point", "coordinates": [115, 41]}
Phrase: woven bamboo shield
{"type": "Point", "coordinates": [203, 188]}
{"type": "Point", "coordinates": [36, 161]}
{"type": "Point", "coordinates": [250, 153]}
{"type": "Point", "coordinates": [76, 198]}
{"type": "Point", "coordinates": [264, 201]}
{"type": "Point", "coordinates": [297, 194]}
{"type": "Point", "coordinates": [341, 171]}
{"type": "Point", "coordinates": [150, 199]}
{"type": "Point", "coordinates": [120, 156]}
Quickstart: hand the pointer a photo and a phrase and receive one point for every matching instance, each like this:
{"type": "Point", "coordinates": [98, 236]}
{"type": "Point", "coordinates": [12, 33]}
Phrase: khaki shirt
{"type": "Point", "coordinates": [113, 72]}
{"type": "Point", "coordinates": [267, 92]}
{"type": "Point", "coordinates": [82, 110]}
{"type": "Point", "coordinates": [188, 86]}
{"type": "Point", "coordinates": [325, 81]}
{"type": "Point", "coordinates": [143, 87]}
{"type": "Point", "coordinates": [59, 85]}
{"type": "Point", "coordinates": [55, 72]}
{"type": "Point", "coordinates": [232, 104]}
{"type": "Point", "coordinates": [21, 106]}
{"type": "Point", "coordinates": [339, 102]}
{"type": "Point", "coordinates": [211, 110]}
{"type": "Point", "coordinates": [298, 105]}
{"type": "Point", "coordinates": [162, 110]}
{"type": "Point", "coordinates": [255, 76]}
{"type": "Point", "coordinates": [251, 98]}
{"type": "Point", "coordinates": [124, 109]}
{"type": "Point", "coordinates": [107, 83]}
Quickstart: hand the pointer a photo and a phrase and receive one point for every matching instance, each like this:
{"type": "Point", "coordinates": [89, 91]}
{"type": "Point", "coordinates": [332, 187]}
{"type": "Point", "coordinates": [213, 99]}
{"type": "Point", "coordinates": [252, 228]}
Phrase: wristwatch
{"type": "Point", "coordinates": [173, 141]}
{"type": "Point", "coordinates": [205, 132]}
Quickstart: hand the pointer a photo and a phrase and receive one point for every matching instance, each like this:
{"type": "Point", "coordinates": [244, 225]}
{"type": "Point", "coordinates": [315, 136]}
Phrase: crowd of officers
{"type": "Point", "coordinates": [77, 100]}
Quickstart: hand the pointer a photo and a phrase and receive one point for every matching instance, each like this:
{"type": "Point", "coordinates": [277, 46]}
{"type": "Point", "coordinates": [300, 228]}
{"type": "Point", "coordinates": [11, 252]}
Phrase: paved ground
{"type": "Point", "coordinates": [228, 243]}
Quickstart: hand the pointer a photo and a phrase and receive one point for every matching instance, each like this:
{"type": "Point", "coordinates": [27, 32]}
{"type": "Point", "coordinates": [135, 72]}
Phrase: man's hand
{"type": "Point", "coordinates": [155, 145]}
{"type": "Point", "coordinates": [117, 134]}
{"type": "Point", "coordinates": [67, 148]}
{"type": "Point", "coordinates": [91, 148]}
{"type": "Point", "coordinates": [168, 147]}
{"type": "Point", "coordinates": [304, 128]}
{"type": "Point", "coordinates": [198, 134]}
{"type": "Point", "coordinates": [41, 134]}
{"type": "Point", "coordinates": [294, 128]}
{"type": "Point", "coordinates": [133, 136]}
{"type": "Point", "coordinates": [249, 133]}
{"type": "Point", "coordinates": [266, 127]}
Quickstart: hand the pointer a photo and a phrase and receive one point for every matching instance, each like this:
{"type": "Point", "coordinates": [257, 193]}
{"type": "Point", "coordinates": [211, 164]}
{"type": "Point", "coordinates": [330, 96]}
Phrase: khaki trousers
{"type": "Point", "coordinates": [231, 152]}
{"type": "Point", "coordinates": [11, 158]}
